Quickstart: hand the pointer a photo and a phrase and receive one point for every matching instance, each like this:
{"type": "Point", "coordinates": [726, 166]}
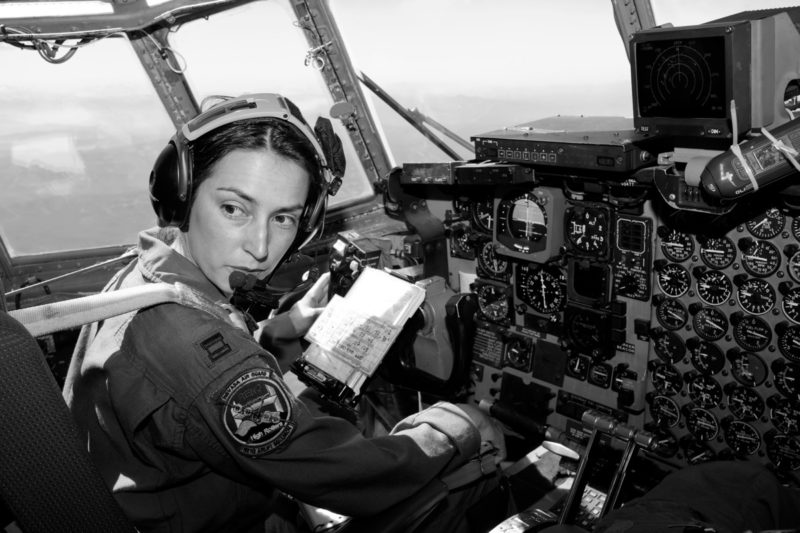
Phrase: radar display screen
{"type": "Point", "coordinates": [681, 78]}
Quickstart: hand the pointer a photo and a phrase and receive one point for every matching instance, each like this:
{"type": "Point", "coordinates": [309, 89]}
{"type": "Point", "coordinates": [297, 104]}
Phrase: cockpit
{"type": "Point", "coordinates": [595, 204]}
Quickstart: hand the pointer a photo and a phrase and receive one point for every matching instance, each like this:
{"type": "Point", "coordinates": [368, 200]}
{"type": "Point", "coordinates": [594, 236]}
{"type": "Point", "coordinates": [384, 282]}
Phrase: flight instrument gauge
{"type": "Point", "coordinates": [789, 342]}
{"type": "Point", "coordinates": [665, 412]}
{"type": "Point", "coordinates": [706, 356]}
{"type": "Point", "coordinates": [756, 296]}
{"type": "Point", "coordinates": [783, 450]}
{"type": "Point", "coordinates": [796, 228]}
{"type": "Point", "coordinates": [482, 214]}
{"type": "Point", "coordinates": [717, 252]}
{"type": "Point", "coordinates": [744, 402]}
{"type": "Point", "coordinates": [761, 258]}
{"type": "Point", "coordinates": [541, 287]}
{"type": "Point", "coordinates": [668, 346]}
{"type": "Point", "coordinates": [586, 229]}
{"type": "Point", "coordinates": [493, 301]}
{"type": "Point", "coordinates": [791, 305]}
{"type": "Point", "coordinates": [666, 378]}
{"type": "Point", "coordinates": [673, 280]}
{"type": "Point", "coordinates": [704, 391]}
{"type": "Point", "coordinates": [710, 323]}
{"type": "Point", "coordinates": [784, 414]}
{"type": "Point", "coordinates": [584, 330]}
{"type": "Point", "coordinates": [747, 368]}
{"type": "Point", "coordinates": [523, 217]}
{"type": "Point", "coordinates": [714, 287]}
{"type": "Point", "coordinates": [676, 245]}
{"type": "Point", "coordinates": [752, 333]}
{"type": "Point", "coordinates": [671, 314]}
{"type": "Point", "coordinates": [702, 424]}
{"type": "Point", "coordinates": [767, 225]}
{"type": "Point", "coordinates": [793, 265]}
{"type": "Point", "coordinates": [491, 263]}
{"type": "Point", "coordinates": [787, 379]}
{"type": "Point", "coordinates": [742, 438]}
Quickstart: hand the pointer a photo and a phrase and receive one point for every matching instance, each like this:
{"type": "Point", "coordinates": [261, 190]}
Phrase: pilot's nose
{"type": "Point", "coordinates": [257, 241]}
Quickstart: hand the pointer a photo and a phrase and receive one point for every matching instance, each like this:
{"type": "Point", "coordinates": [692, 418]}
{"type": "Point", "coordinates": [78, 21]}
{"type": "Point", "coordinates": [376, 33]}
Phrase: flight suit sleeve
{"type": "Point", "coordinates": [251, 428]}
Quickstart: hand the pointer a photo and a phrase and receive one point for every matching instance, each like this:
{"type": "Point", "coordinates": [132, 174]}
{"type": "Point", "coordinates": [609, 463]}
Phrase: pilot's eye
{"type": "Point", "coordinates": [232, 210]}
{"type": "Point", "coordinates": [285, 221]}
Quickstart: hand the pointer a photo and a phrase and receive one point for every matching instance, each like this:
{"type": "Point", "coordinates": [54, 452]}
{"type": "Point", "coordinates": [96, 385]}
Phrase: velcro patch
{"type": "Point", "coordinates": [257, 412]}
{"type": "Point", "coordinates": [215, 346]}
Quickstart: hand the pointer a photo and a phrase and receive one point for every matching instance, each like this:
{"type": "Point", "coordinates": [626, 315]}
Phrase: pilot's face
{"type": "Point", "coordinates": [245, 215]}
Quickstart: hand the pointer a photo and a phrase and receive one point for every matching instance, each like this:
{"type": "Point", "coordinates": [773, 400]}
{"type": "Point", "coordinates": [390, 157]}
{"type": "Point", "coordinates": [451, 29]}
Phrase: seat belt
{"type": "Point", "coordinates": [48, 318]}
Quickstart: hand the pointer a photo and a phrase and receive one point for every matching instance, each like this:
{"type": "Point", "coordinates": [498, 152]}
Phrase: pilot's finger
{"type": "Point", "coordinates": [318, 293]}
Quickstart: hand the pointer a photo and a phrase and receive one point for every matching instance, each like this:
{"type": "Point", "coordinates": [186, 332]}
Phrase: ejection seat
{"type": "Point", "coordinates": [47, 479]}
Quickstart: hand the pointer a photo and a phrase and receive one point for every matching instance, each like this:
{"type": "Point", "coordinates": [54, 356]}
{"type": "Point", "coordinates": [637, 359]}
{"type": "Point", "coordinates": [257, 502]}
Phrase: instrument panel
{"type": "Point", "coordinates": [685, 326]}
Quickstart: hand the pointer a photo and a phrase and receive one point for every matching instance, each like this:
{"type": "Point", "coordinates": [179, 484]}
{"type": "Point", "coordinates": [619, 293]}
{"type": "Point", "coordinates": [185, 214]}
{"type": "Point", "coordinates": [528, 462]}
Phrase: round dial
{"type": "Point", "coordinates": [673, 280]}
{"type": "Point", "coordinates": [518, 353]}
{"type": "Point", "coordinates": [787, 379]}
{"type": "Point", "coordinates": [789, 343]}
{"type": "Point", "coordinates": [668, 346]}
{"type": "Point", "coordinates": [704, 391]}
{"type": "Point", "coordinates": [783, 451]}
{"type": "Point", "coordinates": [714, 287]}
{"type": "Point", "coordinates": [462, 242]}
{"type": "Point", "coordinates": [482, 213]}
{"type": "Point", "coordinates": [747, 368]}
{"type": "Point", "coordinates": [706, 357]}
{"type": "Point", "coordinates": [767, 225]}
{"type": "Point", "coordinates": [490, 262]}
{"type": "Point", "coordinates": [583, 331]}
{"type": "Point", "coordinates": [793, 265]}
{"type": "Point", "coordinates": [665, 412]}
{"type": "Point", "coordinates": [666, 379]}
{"type": "Point", "coordinates": [710, 323]}
{"type": "Point", "coordinates": [756, 296]}
{"type": "Point", "coordinates": [587, 229]}
{"type": "Point", "coordinates": [784, 414]}
{"type": "Point", "coordinates": [541, 287]}
{"type": "Point", "coordinates": [717, 252]}
{"type": "Point", "coordinates": [761, 258]}
{"type": "Point", "coordinates": [493, 301]}
{"type": "Point", "coordinates": [523, 217]}
{"type": "Point", "coordinates": [745, 403]}
{"type": "Point", "coordinates": [671, 314]}
{"type": "Point", "coordinates": [796, 228]}
{"type": "Point", "coordinates": [791, 305]}
{"type": "Point", "coordinates": [742, 438]}
{"type": "Point", "coordinates": [578, 366]}
{"type": "Point", "coordinates": [752, 333]}
{"type": "Point", "coordinates": [677, 246]}
{"type": "Point", "coordinates": [702, 424]}
{"type": "Point", "coordinates": [600, 375]}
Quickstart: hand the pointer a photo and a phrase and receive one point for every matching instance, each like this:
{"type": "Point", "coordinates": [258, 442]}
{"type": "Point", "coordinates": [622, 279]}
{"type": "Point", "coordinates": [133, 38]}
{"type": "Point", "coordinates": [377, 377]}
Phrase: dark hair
{"type": "Point", "coordinates": [253, 134]}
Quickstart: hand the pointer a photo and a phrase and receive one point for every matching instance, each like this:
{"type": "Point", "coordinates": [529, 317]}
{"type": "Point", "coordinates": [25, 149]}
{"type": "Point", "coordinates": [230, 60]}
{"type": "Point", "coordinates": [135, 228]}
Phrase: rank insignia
{"type": "Point", "coordinates": [257, 412]}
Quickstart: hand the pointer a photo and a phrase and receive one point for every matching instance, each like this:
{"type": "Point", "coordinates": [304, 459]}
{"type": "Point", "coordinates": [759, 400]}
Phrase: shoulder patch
{"type": "Point", "coordinates": [215, 346]}
{"type": "Point", "coordinates": [257, 412]}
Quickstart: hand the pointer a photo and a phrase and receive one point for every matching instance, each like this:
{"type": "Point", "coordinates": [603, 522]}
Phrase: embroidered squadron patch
{"type": "Point", "coordinates": [257, 412]}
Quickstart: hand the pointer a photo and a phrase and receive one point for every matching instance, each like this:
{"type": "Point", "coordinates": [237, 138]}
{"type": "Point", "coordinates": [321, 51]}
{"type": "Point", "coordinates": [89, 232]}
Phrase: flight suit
{"type": "Point", "coordinates": [193, 428]}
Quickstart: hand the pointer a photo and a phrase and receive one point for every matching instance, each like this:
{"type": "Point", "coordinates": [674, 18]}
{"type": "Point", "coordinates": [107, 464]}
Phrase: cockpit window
{"type": "Point", "coordinates": [77, 143]}
{"type": "Point", "coordinates": [259, 48]}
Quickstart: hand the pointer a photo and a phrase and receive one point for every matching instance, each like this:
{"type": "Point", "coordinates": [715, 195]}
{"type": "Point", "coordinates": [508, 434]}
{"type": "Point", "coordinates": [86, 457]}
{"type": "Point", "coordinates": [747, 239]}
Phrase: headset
{"type": "Point", "coordinates": [171, 180]}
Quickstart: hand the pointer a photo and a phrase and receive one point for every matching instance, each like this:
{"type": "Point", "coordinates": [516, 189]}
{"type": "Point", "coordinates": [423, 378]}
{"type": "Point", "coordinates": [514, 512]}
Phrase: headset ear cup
{"type": "Point", "coordinates": [170, 185]}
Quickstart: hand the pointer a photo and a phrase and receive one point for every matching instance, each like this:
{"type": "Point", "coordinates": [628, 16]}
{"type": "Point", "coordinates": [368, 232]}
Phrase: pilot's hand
{"type": "Point", "coordinates": [490, 430]}
{"type": "Point", "coordinates": [306, 310]}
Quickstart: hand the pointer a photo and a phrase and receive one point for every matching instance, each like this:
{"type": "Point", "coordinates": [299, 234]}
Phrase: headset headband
{"type": "Point", "coordinates": [261, 105]}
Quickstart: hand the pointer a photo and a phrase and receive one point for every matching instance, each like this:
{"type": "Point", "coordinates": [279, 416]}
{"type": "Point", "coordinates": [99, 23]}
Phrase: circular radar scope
{"type": "Point", "coordinates": [680, 78]}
